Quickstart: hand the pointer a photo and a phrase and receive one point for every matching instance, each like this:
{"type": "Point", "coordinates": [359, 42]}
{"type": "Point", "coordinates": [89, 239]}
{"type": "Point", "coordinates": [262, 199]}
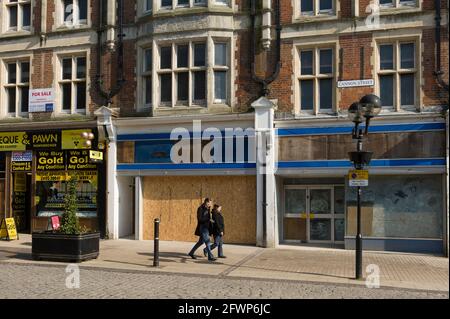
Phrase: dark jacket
{"type": "Point", "coordinates": [203, 219]}
{"type": "Point", "coordinates": [219, 223]}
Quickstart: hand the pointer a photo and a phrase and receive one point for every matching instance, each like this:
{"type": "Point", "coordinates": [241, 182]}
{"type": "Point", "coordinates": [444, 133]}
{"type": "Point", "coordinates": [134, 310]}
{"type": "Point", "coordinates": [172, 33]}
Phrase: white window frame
{"type": "Point", "coordinates": [397, 71]}
{"type": "Point", "coordinates": [316, 9]}
{"type": "Point", "coordinates": [222, 3]}
{"type": "Point", "coordinates": [175, 70]}
{"type": "Point", "coordinates": [316, 77]}
{"type": "Point", "coordinates": [19, 4]}
{"type": "Point", "coordinates": [18, 85]}
{"type": "Point", "coordinates": [145, 8]}
{"type": "Point", "coordinates": [191, 4]}
{"type": "Point", "coordinates": [222, 68]}
{"type": "Point", "coordinates": [73, 81]}
{"type": "Point", "coordinates": [144, 74]}
{"type": "Point", "coordinates": [399, 4]}
{"type": "Point", "coordinates": [76, 22]}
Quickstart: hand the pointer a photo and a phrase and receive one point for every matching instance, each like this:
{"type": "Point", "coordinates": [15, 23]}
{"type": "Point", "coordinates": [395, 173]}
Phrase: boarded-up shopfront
{"type": "Point", "coordinates": [175, 199]}
{"type": "Point", "coordinates": [403, 207]}
{"type": "Point", "coordinates": [153, 183]}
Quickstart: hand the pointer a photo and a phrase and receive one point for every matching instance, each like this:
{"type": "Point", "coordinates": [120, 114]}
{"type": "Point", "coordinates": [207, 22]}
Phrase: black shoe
{"type": "Point", "coordinates": [192, 256]}
{"type": "Point", "coordinates": [205, 252]}
{"type": "Point", "coordinates": [212, 259]}
{"type": "Point", "coordinates": [222, 256]}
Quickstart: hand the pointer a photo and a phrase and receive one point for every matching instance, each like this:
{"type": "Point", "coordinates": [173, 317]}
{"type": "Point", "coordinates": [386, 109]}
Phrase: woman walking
{"type": "Point", "coordinates": [218, 230]}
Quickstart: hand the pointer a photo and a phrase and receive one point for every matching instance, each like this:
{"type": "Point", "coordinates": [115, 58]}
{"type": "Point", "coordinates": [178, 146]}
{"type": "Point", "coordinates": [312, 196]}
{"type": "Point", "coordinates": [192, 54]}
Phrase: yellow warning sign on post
{"type": "Point", "coordinates": [8, 229]}
{"type": "Point", "coordinates": [358, 177]}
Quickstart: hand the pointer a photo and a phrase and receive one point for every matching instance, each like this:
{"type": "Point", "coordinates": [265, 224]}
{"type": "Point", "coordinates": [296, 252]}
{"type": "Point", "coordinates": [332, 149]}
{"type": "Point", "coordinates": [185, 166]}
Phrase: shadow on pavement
{"type": "Point", "coordinates": [7, 254]}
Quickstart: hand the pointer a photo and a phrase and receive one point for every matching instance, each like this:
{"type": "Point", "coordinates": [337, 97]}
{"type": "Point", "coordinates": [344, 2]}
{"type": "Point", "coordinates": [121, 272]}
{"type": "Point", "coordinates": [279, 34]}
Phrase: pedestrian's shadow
{"type": "Point", "coordinates": [168, 257]}
{"type": "Point", "coordinates": [179, 258]}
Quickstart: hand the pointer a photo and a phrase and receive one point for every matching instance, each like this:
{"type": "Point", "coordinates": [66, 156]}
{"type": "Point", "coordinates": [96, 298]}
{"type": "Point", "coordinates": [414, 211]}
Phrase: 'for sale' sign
{"type": "Point", "coordinates": [41, 100]}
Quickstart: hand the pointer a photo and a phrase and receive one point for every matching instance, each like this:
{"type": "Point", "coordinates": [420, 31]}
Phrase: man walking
{"type": "Point", "coordinates": [202, 230]}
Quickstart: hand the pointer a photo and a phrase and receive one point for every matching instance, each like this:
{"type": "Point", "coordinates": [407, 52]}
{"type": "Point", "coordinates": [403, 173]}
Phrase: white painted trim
{"type": "Point", "coordinates": [139, 208]}
{"type": "Point", "coordinates": [342, 172]}
{"type": "Point", "coordinates": [203, 172]}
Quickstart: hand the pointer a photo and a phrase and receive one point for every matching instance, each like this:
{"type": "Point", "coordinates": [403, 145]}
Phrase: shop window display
{"type": "Point", "coordinates": [51, 190]}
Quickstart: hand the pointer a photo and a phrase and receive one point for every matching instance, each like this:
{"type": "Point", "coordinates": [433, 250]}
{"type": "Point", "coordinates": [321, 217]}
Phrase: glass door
{"type": "Point", "coordinates": [314, 214]}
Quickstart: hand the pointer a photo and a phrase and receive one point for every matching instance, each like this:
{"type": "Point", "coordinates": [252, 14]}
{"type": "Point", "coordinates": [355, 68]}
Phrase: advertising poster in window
{"type": "Point", "coordinates": [55, 169]}
{"type": "Point", "coordinates": [21, 161]}
{"type": "Point", "coordinates": [51, 161]}
{"type": "Point", "coordinates": [79, 160]}
{"type": "Point", "coordinates": [19, 199]}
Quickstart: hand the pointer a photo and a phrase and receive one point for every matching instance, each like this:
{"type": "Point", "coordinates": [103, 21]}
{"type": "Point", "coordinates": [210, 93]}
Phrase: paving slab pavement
{"type": "Point", "coordinates": [306, 264]}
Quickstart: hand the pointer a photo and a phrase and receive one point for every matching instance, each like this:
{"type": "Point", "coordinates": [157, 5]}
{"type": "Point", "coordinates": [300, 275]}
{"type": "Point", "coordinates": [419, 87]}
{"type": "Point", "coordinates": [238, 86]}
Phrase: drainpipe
{"type": "Point", "coordinates": [438, 72]}
{"type": "Point", "coordinates": [264, 118]}
{"type": "Point", "coordinates": [446, 185]}
{"type": "Point", "coordinates": [265, 82]}
{"type": "Point", "coordinates": [266, 24]}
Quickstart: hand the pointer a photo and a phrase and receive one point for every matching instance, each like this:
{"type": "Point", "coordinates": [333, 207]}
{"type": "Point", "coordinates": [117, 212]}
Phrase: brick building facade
{"type": "Point", "coordinates": [186, 60]}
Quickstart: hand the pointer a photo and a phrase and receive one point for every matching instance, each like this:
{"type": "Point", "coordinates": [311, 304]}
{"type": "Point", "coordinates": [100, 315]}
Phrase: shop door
{"type": "Point", "coordinates": [314, 214]}
{"type": "Point", "coordinates": [126, 207]}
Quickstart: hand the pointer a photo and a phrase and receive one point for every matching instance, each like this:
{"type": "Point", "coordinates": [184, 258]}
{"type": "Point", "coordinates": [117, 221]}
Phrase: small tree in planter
{"type": "Point", "coordinates": [71, 242]}
{"type": "Point", "coordinates": [70, 224]}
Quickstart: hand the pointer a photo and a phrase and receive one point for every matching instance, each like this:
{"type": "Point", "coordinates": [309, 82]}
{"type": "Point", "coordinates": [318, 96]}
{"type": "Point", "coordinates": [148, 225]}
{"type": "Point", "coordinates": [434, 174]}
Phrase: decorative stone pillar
{"type": "Point", "coordinates": [265, 172]}
{"type": "Point", "coordinates": [104, 119]}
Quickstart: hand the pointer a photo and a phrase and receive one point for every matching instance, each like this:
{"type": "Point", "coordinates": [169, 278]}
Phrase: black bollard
{"type": "Point", "coordinates": [156, 243]}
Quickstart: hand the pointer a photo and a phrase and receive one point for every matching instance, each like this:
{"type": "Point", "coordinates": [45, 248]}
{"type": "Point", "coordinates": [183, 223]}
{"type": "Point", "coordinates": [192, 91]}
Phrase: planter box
{"type": "Point", "coordinates": [60, 247]}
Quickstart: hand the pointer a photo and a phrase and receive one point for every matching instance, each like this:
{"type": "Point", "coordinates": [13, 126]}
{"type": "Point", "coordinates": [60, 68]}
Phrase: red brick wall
{"type": "Point", "coordinates": [42, 69]}
{"type": "Point", "coordinates": [37, 12]}
{"type": "Point", "coordinates": [433, 93]}
{"type": "Point", "coordinates": [351, 65]}
{"type": "Point", "coordinates": [282, 87]}
{"type": "Point", "coordinates": [346, 9]}
{"type": "Point", "coordinates": [363, 4]}
{"type": "Point", "coordinates": [247, 90]}
{"type": "Point", "coordinates": [127, 98]}
{"type": "Point", "coordinates": [286, 11]}
{"type": "Point", "coordinates": [51, 14]}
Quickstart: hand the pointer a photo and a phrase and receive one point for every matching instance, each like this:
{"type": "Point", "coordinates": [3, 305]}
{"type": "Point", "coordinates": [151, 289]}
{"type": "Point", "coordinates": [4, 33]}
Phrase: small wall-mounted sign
{"type": "Point", "coordinates": [358, 177]}
{"type": "Point", "coordinates": [95, 156]}
{"type": "Point", "coordinates": [355, 83]}
{"type": "Point", "coordinates": [41, 100]}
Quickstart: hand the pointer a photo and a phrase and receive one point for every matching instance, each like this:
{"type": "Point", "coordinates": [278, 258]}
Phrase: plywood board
{"type": "Point", "coordinates": [175, 199]}
{"type": "Point", "coordinates": [125, 152]}
{"type": "Point", "coordinates": [295, 229]}
{"type": "Point", "coordinates": [366, 220]}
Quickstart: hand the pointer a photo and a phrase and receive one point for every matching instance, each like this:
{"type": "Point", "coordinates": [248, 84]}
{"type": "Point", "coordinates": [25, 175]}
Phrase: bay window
{"type": "Point", "coordinates": [190, 73]}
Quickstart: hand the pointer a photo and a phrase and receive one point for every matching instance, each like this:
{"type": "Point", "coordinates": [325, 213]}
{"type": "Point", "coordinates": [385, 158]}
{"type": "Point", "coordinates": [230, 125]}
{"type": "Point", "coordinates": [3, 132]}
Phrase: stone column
{"type": "Point", "coordinates": [265, 167]}
{"type": "Point", "coordinates": [104, 119]}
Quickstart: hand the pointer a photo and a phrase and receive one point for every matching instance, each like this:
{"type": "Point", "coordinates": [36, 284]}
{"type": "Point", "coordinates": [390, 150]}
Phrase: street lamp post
{"type": "Point", "coordinates": [367, 108]}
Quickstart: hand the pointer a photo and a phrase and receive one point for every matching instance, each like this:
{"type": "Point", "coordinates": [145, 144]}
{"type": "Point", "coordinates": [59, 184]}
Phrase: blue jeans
{"type": "Point", "coordinates": [203, 239]}
{"type": "Point", "coordinates": [218, 242]}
